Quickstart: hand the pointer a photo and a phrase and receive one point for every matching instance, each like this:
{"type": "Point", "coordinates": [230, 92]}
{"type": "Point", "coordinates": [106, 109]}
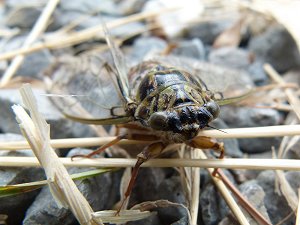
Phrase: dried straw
{"type": "Point", "coordinates": [36, 31]}
{"type": "Point", "coordinates": [62, 187]}
{"type": "Point", "coordinates": [251, 164]}
{"type": "Point", "coordinates": [253, 132]}
{"type": "Point", "coordinates": [226, 195]}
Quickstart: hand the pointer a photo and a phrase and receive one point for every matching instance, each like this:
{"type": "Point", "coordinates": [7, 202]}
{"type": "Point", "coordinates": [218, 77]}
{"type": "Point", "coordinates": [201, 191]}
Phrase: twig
{"type": "Point", "coordinates": [36, 31]}
{"type": "Point", "coordinates": [195, 188]}
{"type": "Point", "coordinates": [86, 34]}
{"type": "Point", "coordinates": [244, 202]}
{"type": "Point", "coordinates": [253, 132]}
{"type": "Point", "coordinates": [63, 189]}
{"type": "Point", "coordinates": [252, 164]}
{"type": "Point", "coordinates": [298, 210]}
{"type": "Point", "coordinates": [227, 196]}
{"type": "Point", "coordinates": [293, 100]}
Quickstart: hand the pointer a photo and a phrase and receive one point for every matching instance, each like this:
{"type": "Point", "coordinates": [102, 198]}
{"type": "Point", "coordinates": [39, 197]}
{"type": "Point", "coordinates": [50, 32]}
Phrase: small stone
{"type": "Point", "coordinates": [146, 46]}
{"type": "Point", "coordinates": [252, 117]}
{"type": "Point", "coordinates": [255, 195]}
{"type": "Point", "coordinates": [15, 206]}
{"type": "Point", "coordinates": [115, 8]}
{"type": "Point", "coordinates": [192, 49]}
{"type": "Point", "coordinates": [152, 219]}
{"type": "Point", "coordinates": [232, 57]}
{"type": "Point", "coordinates": [257, 73]}
{"type": "Point", "coordinates": [231, 145]}
{"type": "Point", "coordinates": [277, 47]}
{"type": "Point", "coordinates": [182, 221]}
{"type": "Point", "coordinates": [23, 17]}
{"type": "Point", "coordinates": [173, 23]}
{"type": "Point", "coordinates": [152, 184]}
{"type": "Point", "coordinates": [292, 76]}
{"type": "Point", "coordinates": [35, 63]}
{"type": "Point", "coordinates": [277, 206]}
{"type": "Point", "coordinates": [212, 205]}
{"type": "Point", "coordinates": [208, 31]}
{"type": "Point", "coordinates": [87, 6]}
{"type": "Point", "coordinates": [99, 191]}
{"type": "Point", "coordinates": [60, 126]}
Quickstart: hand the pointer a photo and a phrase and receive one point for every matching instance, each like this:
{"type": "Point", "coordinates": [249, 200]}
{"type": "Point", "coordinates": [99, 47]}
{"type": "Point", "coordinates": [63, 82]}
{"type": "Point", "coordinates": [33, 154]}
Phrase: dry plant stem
{"type": "Point", "coordinates": [251, 164]}
{"type": "Point", "coordinates": [195, 188]}
{"type": "Point", "coordinates": [244, 202]}
{"type": "Point", "coordinates": [298, 210]}
{"type": "Point", "coordinates": [292, 97]}
{"type": "Point", "coordinates": [36, 31]}
{"type": "Point", "coordinates": [253, 132]}
{"type": "Point", "coordinates": [226, 195]}
{"type": "Point", "coordinates": [287, 190]}
{"type": "Point", "coordinates": [62, 187]}
{"type": "Point", "coordinates": [87, 34]}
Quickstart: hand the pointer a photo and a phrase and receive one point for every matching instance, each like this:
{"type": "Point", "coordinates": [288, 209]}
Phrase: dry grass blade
{"type": "Point", "coordinates": [253, 132]}
{"type": "Point", "coordinates": [244, 202]}
{"type": "Point", "coordinates": [227, 196]}
{"type": "Point", "coordinates": [251, 164]}
{"type": "Point", "coordinates": [63, 189]}
{"type": "Point", "coordinates": [149, 205]}
{"type": "Point", "coordinates": [287, 190]}
{"type": "Point", "coordinates": [290, 93]}
{"type": "Point", "coordinates": [109, 216]}
{"type": "Point", "coordinates": [298, 210]}
{"type": "Point", "coordinates": [38, 28]}
{"type": "Point", "coordinates": [279, 9]}
{"type": "Point", "coordinates": [81, 36]}
{"type": "Point", "coordinates": [195, 188]}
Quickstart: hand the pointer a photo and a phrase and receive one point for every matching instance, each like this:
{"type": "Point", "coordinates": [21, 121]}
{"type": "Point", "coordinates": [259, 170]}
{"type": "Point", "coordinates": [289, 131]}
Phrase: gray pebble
{"type": "Point", "coordinates": [232, 57]}
{"type": "Point", "coordinates": [146, 46]}
{"type": "Point", "coordinates": [255, 195]}
{"type": "Point", "coordinates": [208, 31]}
{"type": "Point", "coordinates": [277, 206]}
{"type": "Point", "coordinates": [192, 49]}
{"type": "Point", "coordinates": [277, 47]}
{"type": "Point", "coordinates": [257, 73]}
{"type": "Point", "coordinates": [15, 206]}
{"type": "Point", "coordinates": [23, 17]}
{"type": "Point", "coordinates": [212, 205]}
{"type": "Point", "coordinates": [231, 145]}
{"type": "Point", "coordinates": [60, 126]}
{"type": "Point", "coordinates": [152, 184]}
{"type": "Point", "coordinates": [99, 191]}
{"type": "Point", "coordinates": [252, 117]}
{"type": "Point", "coordinates": [34, 64]}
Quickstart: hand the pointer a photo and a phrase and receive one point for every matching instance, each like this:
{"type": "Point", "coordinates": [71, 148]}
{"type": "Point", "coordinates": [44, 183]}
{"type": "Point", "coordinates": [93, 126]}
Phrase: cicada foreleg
{"type": "Point", "coordinates": [150, 151]}
{"type": "Point", "coordinates": [208, 143]}
{"type": "Point", "coordinates": [102, 148]}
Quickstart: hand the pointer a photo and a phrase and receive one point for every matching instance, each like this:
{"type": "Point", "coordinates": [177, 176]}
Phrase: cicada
{"type": "Point", "coordinates": [165, 99]}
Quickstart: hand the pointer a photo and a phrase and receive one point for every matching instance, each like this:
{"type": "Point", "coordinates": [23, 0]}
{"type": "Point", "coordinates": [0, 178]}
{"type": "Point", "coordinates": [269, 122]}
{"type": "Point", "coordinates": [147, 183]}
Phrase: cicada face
{"type": "Point", "coordinates": [172, 103]}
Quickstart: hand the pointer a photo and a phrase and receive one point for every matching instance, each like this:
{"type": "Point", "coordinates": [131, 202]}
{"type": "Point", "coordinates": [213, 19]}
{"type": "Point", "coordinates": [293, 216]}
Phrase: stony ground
{"type": "Point", "coordinates": [256, 41]}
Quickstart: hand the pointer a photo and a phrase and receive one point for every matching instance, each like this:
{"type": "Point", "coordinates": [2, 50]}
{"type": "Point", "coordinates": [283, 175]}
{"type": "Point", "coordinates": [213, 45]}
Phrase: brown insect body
{"type": "Point", "coordinates": [170, 102]}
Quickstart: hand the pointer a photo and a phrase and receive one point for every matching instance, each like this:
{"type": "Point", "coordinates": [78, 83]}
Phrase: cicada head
{"type": "Point", "coordinates": [184, 123]}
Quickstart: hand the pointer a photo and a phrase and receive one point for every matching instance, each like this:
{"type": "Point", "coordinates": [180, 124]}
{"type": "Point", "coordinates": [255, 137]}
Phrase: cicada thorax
{"type": "Point", "coordinates": [171, 102]}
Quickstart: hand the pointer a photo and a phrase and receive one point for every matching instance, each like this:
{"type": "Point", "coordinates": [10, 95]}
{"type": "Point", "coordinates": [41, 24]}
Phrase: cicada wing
{"type": "Point", "coordinates": [84, 90]}
{"type": "Point", "coordinates": [121, 77]}
{"type": "Point", "coordinates": [226, 85]}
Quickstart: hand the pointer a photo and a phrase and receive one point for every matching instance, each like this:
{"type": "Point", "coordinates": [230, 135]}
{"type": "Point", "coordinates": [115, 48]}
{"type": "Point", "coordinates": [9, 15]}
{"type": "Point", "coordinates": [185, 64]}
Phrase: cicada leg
{"type": "Point", "coordinates": [208, 143]}
{"type": "Point", "coordinates": [102, 148]}
{"type": "Point", "coordinates": [150, 151]}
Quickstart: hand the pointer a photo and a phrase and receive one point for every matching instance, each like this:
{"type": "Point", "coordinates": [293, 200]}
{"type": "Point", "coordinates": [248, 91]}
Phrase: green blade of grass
{"type": "Point", "coordinates": [10, 190]}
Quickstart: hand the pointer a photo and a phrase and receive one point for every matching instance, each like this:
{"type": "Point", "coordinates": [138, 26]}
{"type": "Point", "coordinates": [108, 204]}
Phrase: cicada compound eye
{"type": "Point", "coordinates": [213, 108]}
{"type": "Point", "coordinates": [159, 121]}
